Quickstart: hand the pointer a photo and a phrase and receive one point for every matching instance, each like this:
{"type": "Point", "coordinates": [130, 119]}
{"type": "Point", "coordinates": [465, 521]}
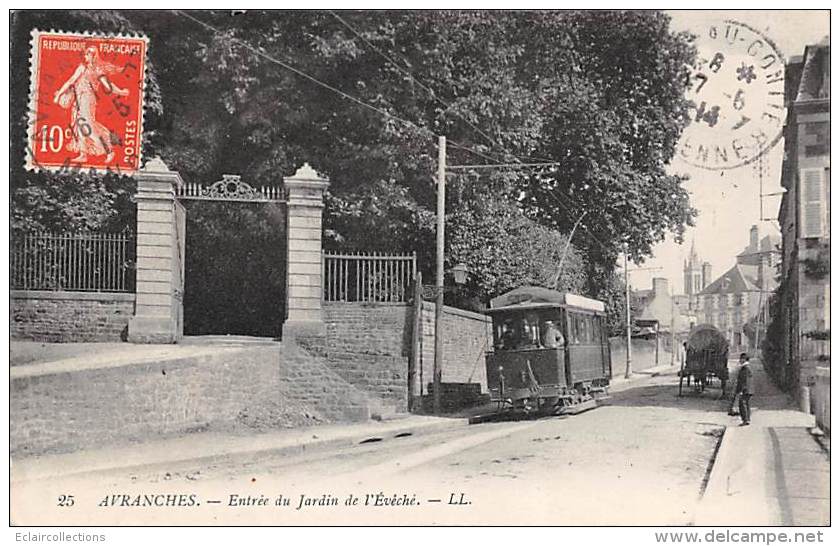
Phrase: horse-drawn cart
{"type": "Point", "coordinates": [706, 358]}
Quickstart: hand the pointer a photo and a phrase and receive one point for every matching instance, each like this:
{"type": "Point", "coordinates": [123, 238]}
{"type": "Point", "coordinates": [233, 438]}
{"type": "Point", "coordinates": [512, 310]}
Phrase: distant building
{"type": "Point", "coordinates": [696, 275]}
{"type": "Point", "coordinates": [685, 317]}
{"type": "Point", "coordinates": [738, 297]}
{"type": "Point", "coordinates": [657, 317]}
{"type": "Point", "coordinates": [804, 216]}
{"type": "Point", "coordinates": [656, 304]}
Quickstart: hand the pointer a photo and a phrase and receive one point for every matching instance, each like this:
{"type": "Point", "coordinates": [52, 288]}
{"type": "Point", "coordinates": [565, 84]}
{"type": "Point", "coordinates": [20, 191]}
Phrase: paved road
{"type": "Point", "coordinates": [641, 459]}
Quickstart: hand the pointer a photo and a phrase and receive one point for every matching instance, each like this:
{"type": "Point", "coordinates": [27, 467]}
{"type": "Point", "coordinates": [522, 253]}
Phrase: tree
{"type": "Point", "coordinates": [601, 93]}
{"type": "Point", "coordinates": [503, 249]}
{"type": "Point", "coordinates": [613, 118]}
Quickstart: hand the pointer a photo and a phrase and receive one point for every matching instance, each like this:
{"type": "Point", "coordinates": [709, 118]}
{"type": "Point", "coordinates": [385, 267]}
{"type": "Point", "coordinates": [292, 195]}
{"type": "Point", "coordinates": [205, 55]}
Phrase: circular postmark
{"type": "Point", "coordinates": [736, 97]}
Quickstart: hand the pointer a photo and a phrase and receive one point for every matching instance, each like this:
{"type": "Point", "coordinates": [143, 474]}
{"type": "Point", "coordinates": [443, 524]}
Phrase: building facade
{"type": "Point", "coordinates": [802, 311]}
{"type": "Point", "coordinates": [736, 302]}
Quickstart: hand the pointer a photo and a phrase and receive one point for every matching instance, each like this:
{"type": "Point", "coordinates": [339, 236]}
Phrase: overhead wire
{"type": "Point", "coordinates": [329, 87]}
{"type": "Point", "coordinates": [432, 92]}
{"type": "Point", "coordinates": [380, 111]}
{"type": "Point", "coordinates": [411, 76]}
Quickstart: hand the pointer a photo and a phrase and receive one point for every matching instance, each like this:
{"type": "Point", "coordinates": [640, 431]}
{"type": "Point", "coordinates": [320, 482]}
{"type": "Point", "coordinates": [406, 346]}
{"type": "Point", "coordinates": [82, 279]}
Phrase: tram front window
{"type": "Point", "coordinates": [525, 335]}
{"type": "Point", "coordinates": [517, 333]}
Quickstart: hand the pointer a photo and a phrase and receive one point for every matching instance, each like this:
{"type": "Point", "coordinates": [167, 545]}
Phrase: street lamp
{"type": "Point", "coordinates": [459, 273]}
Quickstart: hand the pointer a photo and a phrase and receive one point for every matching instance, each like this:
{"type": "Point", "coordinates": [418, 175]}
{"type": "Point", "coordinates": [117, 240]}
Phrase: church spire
{"type": "Point", "coordinates": [693, 271]}
{"type": "Point", "coordinates": [692, 256]}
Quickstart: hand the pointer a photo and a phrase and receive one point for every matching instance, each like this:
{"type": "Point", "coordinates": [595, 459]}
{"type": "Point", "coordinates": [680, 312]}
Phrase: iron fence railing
{"type": "Point", "coordinates": [368, 277]}
{"type": "Point", "coordinates": [77, 262]}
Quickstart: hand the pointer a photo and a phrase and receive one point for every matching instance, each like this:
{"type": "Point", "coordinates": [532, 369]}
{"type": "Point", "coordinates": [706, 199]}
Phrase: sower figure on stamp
{"type": "Point", "coordinates": [744, 389]}
{"type": "Point", "coordinates": [80, 93]}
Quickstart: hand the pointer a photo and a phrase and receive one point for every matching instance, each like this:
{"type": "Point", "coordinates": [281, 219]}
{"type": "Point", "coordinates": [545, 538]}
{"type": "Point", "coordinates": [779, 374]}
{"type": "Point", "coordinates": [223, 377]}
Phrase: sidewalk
{"type": "Point", "coordinates": [207, 446]}
{"type": "Point", "coordinates": [618, 380]}
{"type": "Point", "coordinates": [772, 472]}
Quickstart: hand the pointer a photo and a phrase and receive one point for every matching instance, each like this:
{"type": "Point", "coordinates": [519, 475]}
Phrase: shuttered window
{"type": "Point", "coordinates": [812, 199]}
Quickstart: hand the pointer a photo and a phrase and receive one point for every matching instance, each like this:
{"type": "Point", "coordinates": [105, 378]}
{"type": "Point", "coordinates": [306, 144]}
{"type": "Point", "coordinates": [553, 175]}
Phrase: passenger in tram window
{"type": "Point", "coordinates": [507, 338]}
{"type": "Point", "coordinates": [552, 338]}
{"type": "Point", "coordinates": [526, 335]}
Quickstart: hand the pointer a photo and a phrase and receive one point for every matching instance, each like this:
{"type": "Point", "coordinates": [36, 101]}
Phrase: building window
{"type": "Point", "coordinates": [739, 300]}
{"type": "Point", "coordinates": [813, 210]}
{"type": "Point", "coordinates": [817, 139]}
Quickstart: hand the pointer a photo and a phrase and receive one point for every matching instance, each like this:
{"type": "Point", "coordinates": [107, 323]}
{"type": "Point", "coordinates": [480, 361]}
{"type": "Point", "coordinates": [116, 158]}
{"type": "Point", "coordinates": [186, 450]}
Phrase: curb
{"type": "Point", "coordinates": [715, 486]}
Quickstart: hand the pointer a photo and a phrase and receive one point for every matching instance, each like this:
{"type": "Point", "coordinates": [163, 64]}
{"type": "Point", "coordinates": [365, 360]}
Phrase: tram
{"type": "Point", "coordinates": [551, 352]}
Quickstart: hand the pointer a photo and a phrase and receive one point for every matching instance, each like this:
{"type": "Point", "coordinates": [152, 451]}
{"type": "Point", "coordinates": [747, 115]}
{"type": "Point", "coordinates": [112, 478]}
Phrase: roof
{"type": "Point", "coordinates": [815, 80]}
{"type": "Point", "coordinates": [531, 297]}
{"type": "Point", "coordinates": [741, 278]}
{"type": "Point", "coordinates": [766, 244]}
{"type": "Point", "coordinates": [643, 294]}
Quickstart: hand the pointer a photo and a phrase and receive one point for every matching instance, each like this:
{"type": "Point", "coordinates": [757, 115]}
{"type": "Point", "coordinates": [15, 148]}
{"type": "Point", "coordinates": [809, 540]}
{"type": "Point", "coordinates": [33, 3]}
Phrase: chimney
{"type": "Point", "coordinates": [707, 274]}
{"type": "Point", "coordinates": [660, 286]}
{"type": "Point", "coordinates": [754, 239]}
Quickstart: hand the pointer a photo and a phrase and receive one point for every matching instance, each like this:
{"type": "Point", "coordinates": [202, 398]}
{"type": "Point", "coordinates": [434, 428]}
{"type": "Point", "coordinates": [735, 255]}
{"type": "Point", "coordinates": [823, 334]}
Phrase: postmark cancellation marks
{"type": "Point", "coordinates": [86, 101]}
{"type": "Point", "coordinates": [736, 97]}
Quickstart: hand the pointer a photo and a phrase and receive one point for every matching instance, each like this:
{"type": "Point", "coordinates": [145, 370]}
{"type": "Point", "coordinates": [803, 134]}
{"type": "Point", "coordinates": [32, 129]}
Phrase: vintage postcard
{"type": "Point", "coordinates": [423, 267]}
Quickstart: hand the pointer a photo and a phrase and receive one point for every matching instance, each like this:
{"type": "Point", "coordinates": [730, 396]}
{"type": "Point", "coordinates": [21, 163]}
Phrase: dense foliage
{"type": "Point", "coordinates": [235, 269]}
{"type": "Point", "coordinates": [600, 93]}
{"type": "Point", "coordinates": [772, 346]}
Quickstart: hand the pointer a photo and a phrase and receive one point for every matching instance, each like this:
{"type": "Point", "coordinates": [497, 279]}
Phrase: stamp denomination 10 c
{"type": "Point", "coordinates": [86, 102]}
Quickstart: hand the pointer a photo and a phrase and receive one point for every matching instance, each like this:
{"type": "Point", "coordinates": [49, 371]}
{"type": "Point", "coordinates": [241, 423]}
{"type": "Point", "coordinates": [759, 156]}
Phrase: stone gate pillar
{"type": "Point", "coordinates": [305, 204]}
{"type": "Point", "coordinates": [159, 299]}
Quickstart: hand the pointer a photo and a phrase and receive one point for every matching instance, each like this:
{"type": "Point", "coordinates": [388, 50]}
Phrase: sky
{"type": "Point", "coordinates": [728, 201]}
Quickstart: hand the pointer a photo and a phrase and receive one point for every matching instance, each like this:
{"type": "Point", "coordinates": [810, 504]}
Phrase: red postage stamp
{"type": "Point", "coordinates": [86, 102]}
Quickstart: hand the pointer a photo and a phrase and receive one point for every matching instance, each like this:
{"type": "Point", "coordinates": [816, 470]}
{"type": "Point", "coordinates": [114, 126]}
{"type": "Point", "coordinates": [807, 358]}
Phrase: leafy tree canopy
{"type": "Point", "coordinates": [600, 93]}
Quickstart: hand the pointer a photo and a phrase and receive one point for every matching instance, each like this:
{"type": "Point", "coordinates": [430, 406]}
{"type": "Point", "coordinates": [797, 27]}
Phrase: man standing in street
{"type": "Point", "coordinates": [744, 388]}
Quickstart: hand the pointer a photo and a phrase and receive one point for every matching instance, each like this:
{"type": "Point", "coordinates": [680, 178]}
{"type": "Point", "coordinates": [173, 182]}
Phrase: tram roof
{"type": "Point", "coordinates": [535, 297]}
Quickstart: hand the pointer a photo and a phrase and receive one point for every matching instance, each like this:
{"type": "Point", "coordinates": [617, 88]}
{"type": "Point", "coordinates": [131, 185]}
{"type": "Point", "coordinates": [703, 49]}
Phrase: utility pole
{"type": "Point", "coordinates": [628, 370]}
{"type": "Point", "coordinates": [441, 203]}
{"type": "Point", "coordinates": [674, 348]}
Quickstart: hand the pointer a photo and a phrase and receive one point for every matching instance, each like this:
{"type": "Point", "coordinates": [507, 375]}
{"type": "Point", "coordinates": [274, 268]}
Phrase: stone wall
{"type": "Point", "coordinates": [368, 345]}
{"type": "Point", "coordinates": [69, 316]}
{"type": "Point", "coordinates": [266, 387]}
{"type": "Point", "coordinates": [821, 398]}
{"type": "Point", "coordinates": [467, 336]}
{"type": "Point", "coordinates": [813, 306]}
{"type": "Point", "coordinates": [643, 355]}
